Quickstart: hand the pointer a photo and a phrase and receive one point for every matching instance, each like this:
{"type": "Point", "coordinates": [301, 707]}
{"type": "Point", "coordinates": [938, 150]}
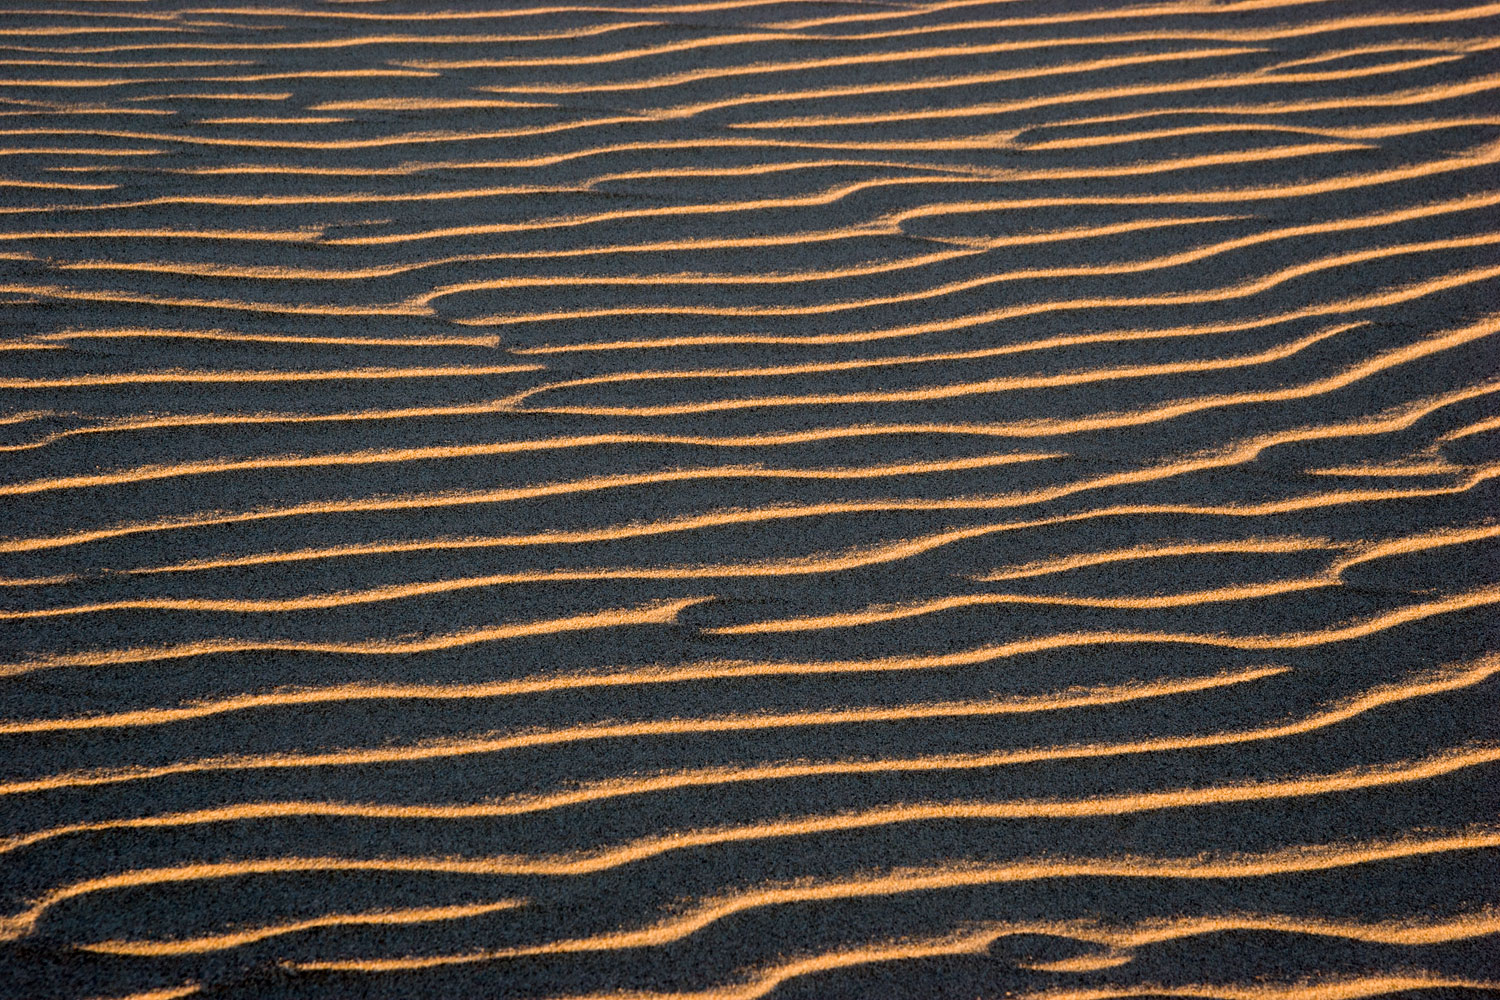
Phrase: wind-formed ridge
{"type": "Point", "coordinates": [716, 499]}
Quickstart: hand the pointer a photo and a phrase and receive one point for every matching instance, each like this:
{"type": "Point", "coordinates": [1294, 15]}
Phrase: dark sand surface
{"type": "Point", "coordinates": [713, 500]}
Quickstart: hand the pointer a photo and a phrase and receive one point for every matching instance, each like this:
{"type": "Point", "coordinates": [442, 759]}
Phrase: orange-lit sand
{"type": "Point", "coordinates": [724, 499]}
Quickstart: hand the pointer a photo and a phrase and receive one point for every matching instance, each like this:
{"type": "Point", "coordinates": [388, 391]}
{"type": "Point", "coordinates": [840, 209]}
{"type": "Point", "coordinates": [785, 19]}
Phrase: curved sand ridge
{"type": "Point", "coordinates": [749, 498]}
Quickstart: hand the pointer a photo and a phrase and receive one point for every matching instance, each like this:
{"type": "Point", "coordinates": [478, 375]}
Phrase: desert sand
{"type": "Point", "coordinates": [724, 499]}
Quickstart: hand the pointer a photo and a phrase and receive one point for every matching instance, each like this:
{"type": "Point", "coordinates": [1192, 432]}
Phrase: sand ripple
{"type": "Point", "coordinates": [724, 499]}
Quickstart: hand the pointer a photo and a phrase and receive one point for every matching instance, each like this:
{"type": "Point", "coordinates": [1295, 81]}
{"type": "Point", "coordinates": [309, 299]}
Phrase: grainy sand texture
{"type": "Point", "coordinates": [721, 499]}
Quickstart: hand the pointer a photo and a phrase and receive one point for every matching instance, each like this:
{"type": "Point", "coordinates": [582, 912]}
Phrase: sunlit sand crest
{"type": "Point", "coordinates": [466, 524]}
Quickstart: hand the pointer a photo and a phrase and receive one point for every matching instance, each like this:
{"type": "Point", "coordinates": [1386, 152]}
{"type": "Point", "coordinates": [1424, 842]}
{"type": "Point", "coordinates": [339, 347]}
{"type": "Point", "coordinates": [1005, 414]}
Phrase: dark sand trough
{"type": "Point", "coordinates": [724, 499]}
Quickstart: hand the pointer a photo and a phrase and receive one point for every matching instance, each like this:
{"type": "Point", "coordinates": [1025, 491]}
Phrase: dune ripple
{"type": "Point", "coordinates": [723, 499]}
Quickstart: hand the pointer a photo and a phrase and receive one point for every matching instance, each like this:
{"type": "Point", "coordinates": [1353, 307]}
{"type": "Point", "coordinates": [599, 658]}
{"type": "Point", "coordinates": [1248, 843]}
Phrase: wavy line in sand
{"type": "Point", "coordinates": [1120, 941]}
{"type": "Point", "coordinates": [288, 273]}
{"type": "Point", "coordinates": [985, 141]}
{"type": "Point", "coordinates": [1297, 860]}
{"type": "Point", "coordinates": [1246, 451]}
{"type": "Point", "coordinates": [690, 8]}
{"type": "Point", "coordinates": [838, 193]}
{"type": "Point", "coordinates": [971, 247]}
{"type": "Point", "coordinates": [77, 151]}
{"type": "Point", "coordinates": [910, 85]}
{"type": "Point", "coordinates": [818, 563]}
{"type": "Point", "coordinates": [1439, 683]}
{"type": "Point", "coordinates": [1190, 8]}
{"type": "Point", "coordinates": [307, 235]}
{"type": "Point", "coordinates": [277, 273]}
{"type": "Point", "coordinates": [1445, 680]}
{"type": "Point", "coordinates": [1157, 89]}
{"type": "Point", "coordinates": [340, 42]}
{"type": "Point", "coordinates": [62, 337]}
{"type": "Point", "coordinates": [373, 918]}
{"type": "Point", "coordinates": [749, 38]}
{"type": "Point", "coordinates": [1332, 576]}
{"type": "Point", "coordinates": [48, 109]}
{"type": "Point", "coordinates": [1435, 468]}
{"type": "Point", "coordinates": [134, 64]}
{"type": "Point", "coordinates": [1161, 550]}
{"type": "Point", "coordinates": [404, 139]}
{"type": "Point", "coordinates": [1389, 295]}
{"type": "Point", "coordinates": [707, 6]}
{"type": "Point", "coordinates": [572, 33]}
{"type": "Point", "coordinates": [336, 198]}
{"type": "Point", "coordinates": [814, 564]}
{"type": "Point", "coordinates": [441, 452]}
{"type": "Point", "coordinates": [95, 82]}
{"type": "Point", "coordinates": [891, 222]}
{"type": "Point", "coordinates": [259, 120]}
{"type": "Point", "coordinates": [1280, 32]}
{"type": "Point", "coordinates": [1007, 383]}
{"type": "Point", "coordinates": [462, 497]}
{"type": "Point", "coordinates": [723, 73]}
{"type": "Point", "coordinates": [36, 581]}
{"type": "Point", "coordinates": [493, 13]}
{"type": "Point", "coordinates": [589, 862]}
{"type": "Point", "coordinates": [961, 51]}
{"type": "Point", "coordinates": [1382, 131]}
{"type": "Point", "coordinates": [887, 225]}
{"type": "Point", "coordinates": [166, 993]}
{"type": "Point", "coordinates": [650, 613]}
{"type": "Point", "coordinates": [1019, 704]}
{"type": "Point", "coordinates": [761, 983]}
{"type": "Point", "coordinates": [1383, 297]}
{"type": "Point", "coordinates": [1246, 289]}
{"type": "Point", "coordinates": [242, 376]}
{"type": "Point", "coordinates": [218, 96]}
{"type": "Point", "coordinates": [552, 158]}
{"type": "Point", "coordinates": [1455, 603]}
{"type": "Point", "coordinates": [1479, 427]}
{"type": "Point", "coordinates": [174, 17]}
{"type": "Point", "coordinates": [975, 245]}
{"type": "Point", "coordinates": [1153, 414]}
{"type": "Point", "coordinates": [423, 104]}
{"type": "Point", "coordinates": [1420, 96]}
{"type": "Point", "coordinates": [12, 182]}
{"type": "Point", "coordinates": [67, 294]}
{"type": "Point", "coordinates": [1329, 988]}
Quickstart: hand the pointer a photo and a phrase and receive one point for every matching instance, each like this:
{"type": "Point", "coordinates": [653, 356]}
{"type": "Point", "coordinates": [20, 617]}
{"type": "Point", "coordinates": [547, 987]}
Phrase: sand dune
{"type": "Point", "coordinates": [725, 499]}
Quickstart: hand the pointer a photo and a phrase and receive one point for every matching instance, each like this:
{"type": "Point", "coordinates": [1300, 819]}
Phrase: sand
{"type": "Point", "coordinates": [749, 498]}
